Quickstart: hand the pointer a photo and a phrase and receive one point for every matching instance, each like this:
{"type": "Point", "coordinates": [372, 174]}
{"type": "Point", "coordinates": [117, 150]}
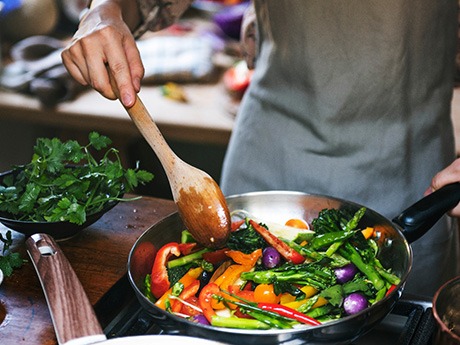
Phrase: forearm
{"type": "Point", "coordinates": [128, 10]}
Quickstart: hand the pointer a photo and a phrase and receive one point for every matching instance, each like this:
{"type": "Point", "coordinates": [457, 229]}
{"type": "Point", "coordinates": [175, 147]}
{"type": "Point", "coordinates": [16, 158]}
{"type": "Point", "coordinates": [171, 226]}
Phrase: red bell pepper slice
{"type": "Point", "coordinates": [159, 276]}
{"type": "Point", "coordinates": [246, 295]}
{"type": "Point", "coordinates": [286, 252]}
{"type": "Point", "coordinates": [237, 224]}
{"type": "Point", "coordinates": [289, 312]}
{"type": "Point", "coordinates": [216, 256]}
{"type": "Point", "coordinates": [187, 248]}
{"type": "Point", "coordinates": [390, 290]}
{"type": "Point", "coordinates": [205, 299]}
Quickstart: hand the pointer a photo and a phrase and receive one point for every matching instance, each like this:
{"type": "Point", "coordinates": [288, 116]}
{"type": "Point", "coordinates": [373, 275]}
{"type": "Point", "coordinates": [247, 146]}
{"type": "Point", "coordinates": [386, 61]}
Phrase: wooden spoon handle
{"type": "Point", "coordinates": [71, 312]}
{"type": "Point", "coordinates": [148, 128]}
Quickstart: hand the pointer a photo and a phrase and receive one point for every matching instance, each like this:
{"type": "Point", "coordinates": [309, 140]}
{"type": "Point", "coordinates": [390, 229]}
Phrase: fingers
{"type": "Point", "coordinates": [87, 58]}
{"type": "Point", "coordinates": [449, 175]}
{"type": "Point", "coordinates": [136, 66]}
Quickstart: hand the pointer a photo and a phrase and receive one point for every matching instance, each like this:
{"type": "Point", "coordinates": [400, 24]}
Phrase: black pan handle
{"type": "Point", "coordinates": [417, 219]}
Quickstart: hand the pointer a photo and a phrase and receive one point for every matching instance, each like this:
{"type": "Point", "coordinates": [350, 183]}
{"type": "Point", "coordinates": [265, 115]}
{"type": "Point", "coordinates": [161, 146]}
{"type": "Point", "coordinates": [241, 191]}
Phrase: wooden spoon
{"type": "Point", "coordinates": [200, 201]}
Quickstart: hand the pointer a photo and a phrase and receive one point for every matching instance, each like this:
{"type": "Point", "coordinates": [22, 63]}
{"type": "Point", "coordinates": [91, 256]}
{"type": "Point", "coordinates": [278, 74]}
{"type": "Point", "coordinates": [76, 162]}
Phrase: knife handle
{"type": "Point", "coordinates": [72, 314]}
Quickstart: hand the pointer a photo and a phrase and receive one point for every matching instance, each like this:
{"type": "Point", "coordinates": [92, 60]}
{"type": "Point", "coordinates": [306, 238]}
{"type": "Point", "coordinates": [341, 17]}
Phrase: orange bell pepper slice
{"type": "Point", "coordinates": [245, 259]}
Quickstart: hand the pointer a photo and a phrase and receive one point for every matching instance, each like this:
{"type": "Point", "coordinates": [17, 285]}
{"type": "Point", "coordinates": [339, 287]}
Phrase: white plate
{"type": "Point", "coordinates": [160, 340]}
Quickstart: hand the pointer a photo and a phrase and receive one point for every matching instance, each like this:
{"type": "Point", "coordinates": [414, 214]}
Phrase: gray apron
{"type": "Point", "coordinates": [352, 99]}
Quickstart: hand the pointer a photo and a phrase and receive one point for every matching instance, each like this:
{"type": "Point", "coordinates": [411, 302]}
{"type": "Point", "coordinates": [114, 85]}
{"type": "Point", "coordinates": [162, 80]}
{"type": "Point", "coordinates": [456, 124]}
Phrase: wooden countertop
{"type": "Point", "coordinates": [99, 257]}
{"type": "Point", "coordinates": [206, 118]}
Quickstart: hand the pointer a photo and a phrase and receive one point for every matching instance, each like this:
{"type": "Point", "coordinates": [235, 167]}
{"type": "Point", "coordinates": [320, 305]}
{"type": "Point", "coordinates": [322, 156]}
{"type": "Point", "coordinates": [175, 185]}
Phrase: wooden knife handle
{"type": "Point", "coordinates": [71, 312]}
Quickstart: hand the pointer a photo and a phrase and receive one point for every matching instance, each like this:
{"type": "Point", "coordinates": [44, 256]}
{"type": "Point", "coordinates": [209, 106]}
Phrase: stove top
{"type": "Point", "coordinates": [410, 323]}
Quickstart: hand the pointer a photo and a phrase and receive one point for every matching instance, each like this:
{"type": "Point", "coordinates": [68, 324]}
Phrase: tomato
{"type": "Point", "coordinates": [187, 310]}
{"type": "Point", "coordinates": [297, 223]}
{"type": "Point", "coordinates": [237, 79]}
{"type": "Point", "coordinates": [265, 293]}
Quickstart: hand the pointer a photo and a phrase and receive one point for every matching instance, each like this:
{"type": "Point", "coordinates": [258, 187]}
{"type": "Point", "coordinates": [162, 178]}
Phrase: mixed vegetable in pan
{"type": "Point", "coordinates": [271, 275]}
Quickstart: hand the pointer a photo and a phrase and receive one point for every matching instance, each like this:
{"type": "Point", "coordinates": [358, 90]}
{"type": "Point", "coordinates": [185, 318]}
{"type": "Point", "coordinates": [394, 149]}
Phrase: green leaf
{"type": "Point", "coordinates": [15, 260]}
{"type": "Point", "coordinates": [27, 201]}
{"type": "Point", "coordinates": [99, 141]}
{"type": "Point", "coordinates": [131, 178]}
{"type": "Point", "coordinates": [333, 294]}
{"type": "Point", "coordinates": [144, 176]}
{"type": "Point", "coordinates": [5, 266]}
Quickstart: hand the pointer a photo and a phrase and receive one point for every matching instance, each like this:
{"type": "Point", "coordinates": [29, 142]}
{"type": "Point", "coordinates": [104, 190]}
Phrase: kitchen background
{"type": "Point", "coordinates": [32, 33]}
{"type": "Point", "coordinates": [194, 107]}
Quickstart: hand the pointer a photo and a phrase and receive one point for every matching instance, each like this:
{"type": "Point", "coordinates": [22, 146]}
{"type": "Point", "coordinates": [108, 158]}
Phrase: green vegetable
{"type": "Point", "coordinates": [281, 287]}
{"type": "Point", "coordinates": [9, 260]}
{"type": "Point", "coordinates": [187, 259]}
{"type": "Point", "coordinates": [334, 295]}
{"type": "Point", "coordinates": [350, 253]}
{"type": "Point", "coordinates": [274, 320]}
{"type": "Point", "coordinates": [348, 227]}
{"type": "Point", "coordinates": [65, 182]}
{"type": "Point", "coordinates": [329, 238]}
{"type": "Point", "coordinates": [329, 220]}
{"type": "Point", "coordinates": [175, 273]}
{"type": "Point", "coordinates": [359, 283]}
{"type": "Point", "coordinates": [236, 322]}
{"type": "Point", "coordinates": [186, 237]}
{"type": "Point", "coordinates": [312, 274]}
{"type": "Point", "coordinates": [177, 288]}
{"type": "Point", "coordinates": [324, 310]}
{"type": "Point", "coordinates": [246, 240]}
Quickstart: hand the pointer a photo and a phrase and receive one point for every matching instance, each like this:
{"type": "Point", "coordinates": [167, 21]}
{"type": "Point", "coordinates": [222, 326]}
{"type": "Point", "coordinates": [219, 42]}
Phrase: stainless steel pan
{"type": "Point", "coordinates": [278, 206]}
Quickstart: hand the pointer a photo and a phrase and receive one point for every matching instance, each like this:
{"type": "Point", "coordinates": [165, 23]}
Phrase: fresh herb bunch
{"type": "Point", "coordinates": [9, 260]}
{"type": "Point", "coordinates": [64, 182]}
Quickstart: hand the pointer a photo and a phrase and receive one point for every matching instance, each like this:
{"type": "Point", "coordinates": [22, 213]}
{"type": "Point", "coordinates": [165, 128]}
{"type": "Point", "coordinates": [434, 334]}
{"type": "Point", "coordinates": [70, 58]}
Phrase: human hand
{"type": "Point", "coordinates": [446, 176]}
{"type": "Point", "coordinates": [104, 40]}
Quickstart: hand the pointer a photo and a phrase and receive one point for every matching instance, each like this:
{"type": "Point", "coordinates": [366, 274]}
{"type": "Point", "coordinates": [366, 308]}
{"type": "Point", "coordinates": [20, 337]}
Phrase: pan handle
{"type": "Point", "coordinates": [417, 219]}
{"type": "Point", "coordinates": [71, 312]}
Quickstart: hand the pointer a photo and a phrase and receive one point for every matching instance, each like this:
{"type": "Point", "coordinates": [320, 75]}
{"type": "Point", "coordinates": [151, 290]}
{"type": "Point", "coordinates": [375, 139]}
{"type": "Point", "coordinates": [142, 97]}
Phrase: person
{"type": "Point", "coordinates": [349, 99]}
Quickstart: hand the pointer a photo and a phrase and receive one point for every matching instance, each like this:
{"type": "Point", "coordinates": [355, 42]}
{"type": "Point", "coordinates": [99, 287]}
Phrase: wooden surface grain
{"type": "Point", "coordinates": [98, 255]}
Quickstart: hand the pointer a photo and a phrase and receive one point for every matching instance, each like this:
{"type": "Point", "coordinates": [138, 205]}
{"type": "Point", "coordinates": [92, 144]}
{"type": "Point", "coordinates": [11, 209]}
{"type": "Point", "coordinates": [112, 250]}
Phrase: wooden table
{"type": "Point", "coordinates": [99, 257]}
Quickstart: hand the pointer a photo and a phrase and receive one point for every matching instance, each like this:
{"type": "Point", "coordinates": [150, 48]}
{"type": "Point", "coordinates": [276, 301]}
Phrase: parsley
{"type": "Point", "coordinates": [65, 182]}
{"type": "Point", "coordinates": [9, 261]}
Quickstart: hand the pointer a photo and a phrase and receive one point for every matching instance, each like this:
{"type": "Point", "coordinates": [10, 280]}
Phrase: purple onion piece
{"type": "Point", "coordinates": [354, 303]}
{"type": "Point", "coordinates": [200, 319]}
{"type": "Point", "coordinates": [270, 257]}
{"type": "Point", "coordinates": [345, 273]}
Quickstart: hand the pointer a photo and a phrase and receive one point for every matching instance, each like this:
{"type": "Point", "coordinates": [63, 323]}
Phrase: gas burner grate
{"type": "Point", "coordinates": [410, 323]}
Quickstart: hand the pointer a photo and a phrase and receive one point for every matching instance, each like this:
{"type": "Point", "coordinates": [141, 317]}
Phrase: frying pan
{"type": "Point", "coordinates": [71, 312]}
{"type": "Point", "coordinates": [393, 239]}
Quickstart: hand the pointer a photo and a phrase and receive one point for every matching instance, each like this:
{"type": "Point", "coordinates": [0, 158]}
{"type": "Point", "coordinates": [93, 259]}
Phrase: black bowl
{"type": "Point", "coordinates": [58, 230]}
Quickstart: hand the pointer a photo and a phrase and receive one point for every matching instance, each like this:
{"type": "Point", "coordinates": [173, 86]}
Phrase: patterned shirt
{"type": "Point", "coordinates": [159, 14]}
